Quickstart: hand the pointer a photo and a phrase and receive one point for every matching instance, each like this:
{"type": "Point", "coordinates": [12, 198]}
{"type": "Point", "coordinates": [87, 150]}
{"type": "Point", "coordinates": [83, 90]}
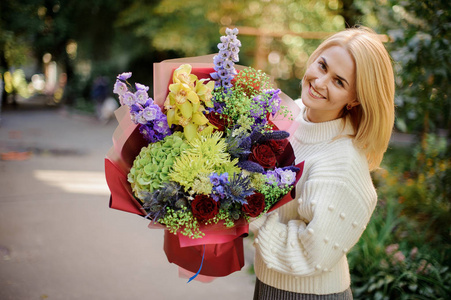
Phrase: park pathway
{"type": "Point", "coordinates": [59, 239]}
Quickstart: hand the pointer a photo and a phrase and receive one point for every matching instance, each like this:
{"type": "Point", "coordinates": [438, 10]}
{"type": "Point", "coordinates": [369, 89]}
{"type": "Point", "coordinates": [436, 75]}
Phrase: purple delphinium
{"type": "Point", "coordinates": [281, 176]}
{"type": "Point", "coordinates": [124, 76]}
{"type": "Point", "coordinates": [286, 176]}
{"type": "Point", "coordinates": [258, 110]}
{"type": "Point", "coordinates": [153, 122]}
{"type": "Point", "coordinates": [150, 112]}
{"type": "Point", "coordinates": [274, 101]}
{"type": "Point", "coordinates": [218, 181]}
{"type": "Point", "coordinates": [155, 130]}
{"type": "Point", "coordinates": [225, 60]}
{"type": "Point", "coordinates": [140, 86]}
{"type": "Point", "coordinates": [141, 96]}
{"type": "Point", "coordinates": [269, 102]}
{"type": "Point", "coordinates": [272, 177]}
{"type": "Point", "coordinates": [128, 98]}
{"type": "Point", "coordinates": [120, 88]}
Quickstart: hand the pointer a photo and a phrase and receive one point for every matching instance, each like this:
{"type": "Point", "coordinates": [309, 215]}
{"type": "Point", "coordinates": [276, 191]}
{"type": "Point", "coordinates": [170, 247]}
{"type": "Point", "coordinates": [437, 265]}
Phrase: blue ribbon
{"type": "Point", "coordinates": [200, 268]}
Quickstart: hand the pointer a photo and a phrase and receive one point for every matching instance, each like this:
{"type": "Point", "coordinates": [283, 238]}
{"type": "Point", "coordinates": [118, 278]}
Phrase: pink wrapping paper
{"type": "Point", "coordinates": [163, 77]}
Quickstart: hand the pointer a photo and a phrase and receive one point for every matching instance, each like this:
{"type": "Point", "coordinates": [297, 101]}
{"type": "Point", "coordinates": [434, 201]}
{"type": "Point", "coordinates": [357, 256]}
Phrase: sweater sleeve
{"type": "Point", "coordinates": [338, 217]}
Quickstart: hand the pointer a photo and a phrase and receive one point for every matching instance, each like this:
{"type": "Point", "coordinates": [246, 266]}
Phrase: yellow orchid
{"type": "Point", "coordinates": [186, 102]}
{"type": "Point", "coordinates": [204, 91]}
{"type": "Point", "coordinates": [183, 75]}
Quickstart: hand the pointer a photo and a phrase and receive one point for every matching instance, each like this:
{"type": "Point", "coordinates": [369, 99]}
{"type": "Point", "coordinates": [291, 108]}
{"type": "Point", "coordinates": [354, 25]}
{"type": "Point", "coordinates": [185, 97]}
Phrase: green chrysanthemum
{"type": "Point", "coordinates": [206, 154]}
{"type": "Point", "coordinates": [153, 165]}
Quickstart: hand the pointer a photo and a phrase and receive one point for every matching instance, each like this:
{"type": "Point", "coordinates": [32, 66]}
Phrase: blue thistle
{"type": "Point", "coordinates": [171, 195]}
{"type": "Point", "coordinates": [238, 189]}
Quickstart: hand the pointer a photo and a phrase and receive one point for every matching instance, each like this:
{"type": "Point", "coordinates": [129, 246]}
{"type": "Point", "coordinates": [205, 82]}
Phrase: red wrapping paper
{"type": "Point", "coordinates": [221, 259]}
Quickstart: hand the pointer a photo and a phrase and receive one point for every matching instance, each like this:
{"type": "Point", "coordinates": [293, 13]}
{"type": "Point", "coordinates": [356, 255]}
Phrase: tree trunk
{"type": "Point", "coordinates": [350, 13]}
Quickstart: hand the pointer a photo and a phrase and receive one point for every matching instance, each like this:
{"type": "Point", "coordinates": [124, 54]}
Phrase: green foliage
{"type": "Point", "coordinates": [387, 264]}
{"type": "Point", "coordinates": [423, 185]}
{"type": "Point", "coordinates": [182, 221]}
{"type": "Point", "coordinates": [273, 193]}
{"type": "Point", "coordinates": [421, 49]}
{"type": "Point", "coordinates": [15, 83]}
{"type": "Point", "coordinates": [406, 250]}
{"type": "Point", "coordinates": [181, 26]}
{"type": "Point", "coordinates": [390, 261]}
{"type": "Point", "coordinates": [18, 22]}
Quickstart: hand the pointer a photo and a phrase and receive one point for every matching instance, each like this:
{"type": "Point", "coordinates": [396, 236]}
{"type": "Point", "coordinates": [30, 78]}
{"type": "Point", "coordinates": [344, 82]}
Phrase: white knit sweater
{"type": "Point", "coordinates": [302, 246]}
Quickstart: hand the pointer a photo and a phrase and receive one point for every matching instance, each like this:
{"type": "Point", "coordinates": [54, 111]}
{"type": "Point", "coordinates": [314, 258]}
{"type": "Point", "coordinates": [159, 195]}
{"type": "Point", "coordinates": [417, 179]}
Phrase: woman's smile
{"type": "Point", "coordinates": [314, 93]}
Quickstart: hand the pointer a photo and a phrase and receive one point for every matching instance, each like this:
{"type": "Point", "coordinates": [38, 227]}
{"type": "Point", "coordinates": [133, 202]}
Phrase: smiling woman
{"type": "Point", "coordinates": [329, 85]}
{"type": "Point", "coordinates": [345, 122]}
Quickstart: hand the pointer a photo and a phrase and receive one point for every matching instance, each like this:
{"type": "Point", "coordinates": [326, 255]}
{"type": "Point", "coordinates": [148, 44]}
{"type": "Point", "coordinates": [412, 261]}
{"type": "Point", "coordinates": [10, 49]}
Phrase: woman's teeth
{"type": "Point", "coordinates": [315, 93]}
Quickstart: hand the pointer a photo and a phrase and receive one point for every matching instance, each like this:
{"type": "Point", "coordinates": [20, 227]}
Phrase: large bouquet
{"type": "Point", "coordinates": [205, 158]}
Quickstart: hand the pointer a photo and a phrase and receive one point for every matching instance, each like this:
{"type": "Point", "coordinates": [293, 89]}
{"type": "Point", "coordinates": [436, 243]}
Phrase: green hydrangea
{"type": "Point", "coordinates": [153, 165]}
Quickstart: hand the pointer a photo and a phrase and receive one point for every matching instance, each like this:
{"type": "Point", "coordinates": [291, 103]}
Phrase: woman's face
{"type": "Point", "coordinates": [329, 85]}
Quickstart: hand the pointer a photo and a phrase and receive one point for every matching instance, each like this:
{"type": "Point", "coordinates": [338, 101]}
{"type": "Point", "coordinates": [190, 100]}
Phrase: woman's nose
{"type": "Point", "coordinates": [321, 82]}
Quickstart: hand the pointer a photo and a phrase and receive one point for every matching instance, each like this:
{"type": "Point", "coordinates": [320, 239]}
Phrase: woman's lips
{"type": "Point", "coordinates": [314, 93]}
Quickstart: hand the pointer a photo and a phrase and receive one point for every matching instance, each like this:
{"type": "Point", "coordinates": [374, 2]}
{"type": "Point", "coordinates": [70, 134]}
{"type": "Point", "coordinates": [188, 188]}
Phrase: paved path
{"type": "Point", "coordinates": [59, 239]}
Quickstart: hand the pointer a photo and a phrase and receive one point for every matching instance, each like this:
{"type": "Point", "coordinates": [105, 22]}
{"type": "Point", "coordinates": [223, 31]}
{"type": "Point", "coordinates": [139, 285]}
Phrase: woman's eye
{"type": "Point", "coordinates": [322, 65]}
{"type": "Point", "coordinates": [339, 82]}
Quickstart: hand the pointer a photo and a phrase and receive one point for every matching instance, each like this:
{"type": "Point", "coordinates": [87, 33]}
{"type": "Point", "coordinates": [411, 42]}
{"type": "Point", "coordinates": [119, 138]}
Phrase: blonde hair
{"type": "Point", "coordinates": [373, 119]}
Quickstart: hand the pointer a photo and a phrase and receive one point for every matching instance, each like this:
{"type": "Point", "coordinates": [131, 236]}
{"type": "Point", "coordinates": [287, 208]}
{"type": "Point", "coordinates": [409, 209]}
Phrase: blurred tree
{"type": "Point", "coordinates": [351, 13]}
{"type": "Point", "coordinates": [75, 33]}
{"type": "Point", "coordinates": [421, 49]}
{"type": "Point", "coordinates": [192, 28]}
{"type": "Point", "coordinates": [18, 23]}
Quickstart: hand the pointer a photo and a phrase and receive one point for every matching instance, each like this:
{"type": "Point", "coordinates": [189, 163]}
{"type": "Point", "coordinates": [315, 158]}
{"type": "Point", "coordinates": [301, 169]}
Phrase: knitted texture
{"type": "Point", "coordinates": [266, 292]}
{"type": "Point", "coordinates": [302, 246]}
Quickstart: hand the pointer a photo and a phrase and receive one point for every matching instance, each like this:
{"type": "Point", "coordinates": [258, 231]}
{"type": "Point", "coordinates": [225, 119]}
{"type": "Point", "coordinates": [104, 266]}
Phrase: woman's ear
{"type": "Point", "coordinates": [352, 104]}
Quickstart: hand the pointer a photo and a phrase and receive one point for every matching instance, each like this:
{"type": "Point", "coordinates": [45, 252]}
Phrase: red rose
{"type": "Point", "coordinates": [263, 155]}
{"type": "Point", "coordinates": [204, 207]}
{"type": "Point", "coordinates": [255, 205]}
{"type": "Point", "coordinates": [277, 146]}
{"type": "Point", "coordinates": [219, 120]}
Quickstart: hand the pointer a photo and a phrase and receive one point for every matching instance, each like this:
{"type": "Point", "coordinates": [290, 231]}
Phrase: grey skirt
{"type": "Point", "coordinates": [265, 292]}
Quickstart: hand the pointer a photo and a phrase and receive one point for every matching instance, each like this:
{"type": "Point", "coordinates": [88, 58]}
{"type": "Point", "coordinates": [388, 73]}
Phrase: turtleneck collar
{"type": "Point", "coordinates": [312, 133]}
